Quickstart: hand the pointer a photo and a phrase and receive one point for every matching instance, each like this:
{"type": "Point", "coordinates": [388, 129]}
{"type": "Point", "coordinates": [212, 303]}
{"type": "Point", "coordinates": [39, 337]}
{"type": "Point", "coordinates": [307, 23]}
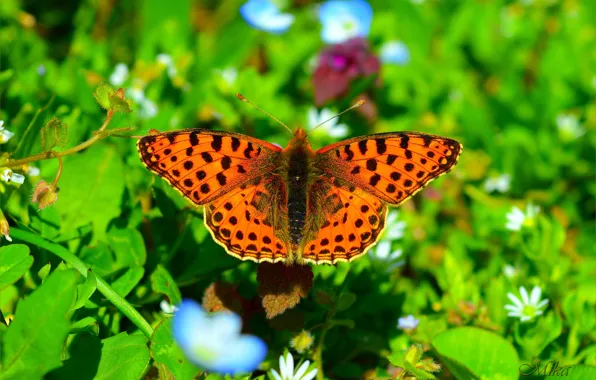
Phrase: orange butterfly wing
{"type": "Point", "coordinates": [225, 172]}
{"type": "Point", "coordinates": [391, 166]}
{"type": "Point", "coordinates": [347, 219]}
{"type": "Point", "coordinates": [361, 175]}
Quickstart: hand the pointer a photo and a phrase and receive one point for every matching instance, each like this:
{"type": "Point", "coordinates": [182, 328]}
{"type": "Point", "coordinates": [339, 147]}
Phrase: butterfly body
{"type": "Point", "coordinates": [265, 203]}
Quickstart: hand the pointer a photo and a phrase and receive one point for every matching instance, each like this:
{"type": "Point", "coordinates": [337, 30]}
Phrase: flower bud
{"type": "Point", "coordinates": [45, 194]}
{"type": "Point", "coordinates": [4, 227]}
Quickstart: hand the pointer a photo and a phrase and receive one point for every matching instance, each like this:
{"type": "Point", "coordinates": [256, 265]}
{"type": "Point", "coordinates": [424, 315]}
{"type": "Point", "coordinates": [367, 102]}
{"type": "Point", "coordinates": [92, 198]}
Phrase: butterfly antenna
{"type": "Point", "coordinates": [358, 104]}
{"type": "Point", "coordinates": [241, 97]}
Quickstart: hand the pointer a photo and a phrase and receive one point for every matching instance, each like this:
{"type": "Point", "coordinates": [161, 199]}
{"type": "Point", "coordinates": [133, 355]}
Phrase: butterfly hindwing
{"type": "Point", "coordinates": [392, 166]}
{"type": "Point", "coordinates": [349, 221]}
{"type": "Point", "coordinates": [204, 164]}
{"type": "Point", "coordinates": [248, 219]}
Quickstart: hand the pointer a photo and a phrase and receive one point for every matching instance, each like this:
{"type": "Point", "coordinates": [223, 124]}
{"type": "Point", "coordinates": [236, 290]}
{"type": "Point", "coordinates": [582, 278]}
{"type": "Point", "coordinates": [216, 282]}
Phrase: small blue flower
{"type": "Point", "coordinates": [264, 15]}
{"type": "Point", "coordinates": [214, 342]}
{"type": "Point", "coordinates": [395, 52]}
{"type": "Point", "coordinates": [344, 19]}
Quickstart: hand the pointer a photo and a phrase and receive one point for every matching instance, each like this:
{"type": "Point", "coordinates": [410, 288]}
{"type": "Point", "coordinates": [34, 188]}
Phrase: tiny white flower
{"type": "Point", "coordinates": [41, 70]}
{"type": "Point", "coordinates": [501, 183]}
{"type": "Point", "coordinates": [5, 134]}
{"type": "Point", "coordinates": [167, 308]}
{"type": "Point", "coordinates": [33, 171]}
{"type": "Point", "coordinates": [119, 75]}
{"type": "Point", "coordinates": [147, 108]}
{"type": "Point", "coordinates": [330, 128]}
{"type": "Point", "coordinates": [407, 323]}
{"type": "Point", "coordinates": [168, 62]}
{"type": "Point", "coordinates": [265, 15]}
{"type": "Point", "coordinates": [529, 306]}
{"type": "Point", "coordinates": [569, 127]}
{"type": "Point", "coordinates": [286, 370]}
{"type": "Point", "coordinates": [8, 176]}
{"type": "Point", "coordinates": [229, 75]}
{"type": "Point", "coordinates": [510, 271]}
{"type": "Point", "coordinates": [383, 252]}
{"type": "Point", "coordinates": [516, 218]}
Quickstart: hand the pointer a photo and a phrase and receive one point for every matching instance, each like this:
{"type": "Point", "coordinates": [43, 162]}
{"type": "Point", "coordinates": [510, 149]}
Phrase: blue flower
{"type": "Point", "coordinates": [214, 342]}
{"type": "Point", "coordinates": [344, 19]}
{"type": "Point", "coordinates": [395, 52]}
{"type": "Point", "coordinates": [264, 15]}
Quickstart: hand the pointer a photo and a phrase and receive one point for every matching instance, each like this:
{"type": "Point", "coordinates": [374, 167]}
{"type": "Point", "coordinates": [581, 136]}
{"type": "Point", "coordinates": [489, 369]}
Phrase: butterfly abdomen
{"type": "Point", "coordinates": [297, 187]}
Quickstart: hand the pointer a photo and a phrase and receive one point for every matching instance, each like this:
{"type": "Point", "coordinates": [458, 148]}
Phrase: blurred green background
{"type": "Point", "coordinates": [514, 81]}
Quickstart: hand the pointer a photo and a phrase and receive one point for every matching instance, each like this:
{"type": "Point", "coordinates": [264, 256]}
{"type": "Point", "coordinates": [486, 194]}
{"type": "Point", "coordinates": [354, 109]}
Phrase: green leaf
{"type": "Point", "coordinates": [344, 322]}
{"type": "Point", "coordinates": [126, 283]}
{"type": "Point", "coordinates": [102, 94]}
{"type": "Point", "coordinates": [167, 353]}
{"type": "Point", "coordinates": [123, 357]}
{"type": "Point", "coordinates": [33, 344]}
{"type": "Point", "coordinates": [346, 299]}
{"type": "Point", "coordinates": [576, 372]}
{"type": "Point", "coordinates": [461, 352]}
{"type": "Point", "coordinates": [88, 324]}
{"type": "Point", "coordinates": [14, 262]}
{"type": "Point", "coordinates": [128, 246]}
{"type": "Point", "coordinates": [92, 185]}
{"type": "Point", "coordinates": [85, 290]}
{"type": "Point", "coordinates": [44, 271]}
{"type": "Point", "coordinates": [54, 133]}
{"type": "Point", "coordinates": [418, 373]}
{"type": "Point", "coordinates": [163, 283]}
{"type": "Point", "coordinates": [117, 104]}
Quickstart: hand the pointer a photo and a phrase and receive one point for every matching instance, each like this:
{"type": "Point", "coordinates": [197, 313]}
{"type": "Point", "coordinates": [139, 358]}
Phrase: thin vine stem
{"type": "Point", "coordinates": [53, 154]}
{"type": "Point", "coordinates": [102, 286]}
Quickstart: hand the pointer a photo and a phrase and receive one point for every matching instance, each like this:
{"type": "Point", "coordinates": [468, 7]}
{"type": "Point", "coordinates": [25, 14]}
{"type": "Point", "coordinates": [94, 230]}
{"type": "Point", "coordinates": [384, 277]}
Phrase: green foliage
{"type": "Point", "coordinates": [514, 81]}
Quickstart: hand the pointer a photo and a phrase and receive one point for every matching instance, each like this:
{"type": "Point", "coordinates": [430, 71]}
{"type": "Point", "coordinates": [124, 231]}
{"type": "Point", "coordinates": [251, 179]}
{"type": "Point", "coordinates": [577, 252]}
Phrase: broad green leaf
{"type": "Point", "coordinates": [163, 283]}
{"type": "Point", "coordinates": [102, 94]}
{"type": "Point", "coordinates": [85, 353]}
{"type": "Point", "coordinates": [33, 344]}
{"type": "Point", "coordinates": [126, 283]}
{"type": "Point", "coordinates": [128, 246]}
{"type": "Point", "coordinates": [167, 353]}
{"type": "Point", "coordinates": [14, 262]}
{"type": "Point", "coordinates": [85, 290]}
{"type": "Point", "coordinates": [123, 357]}
{"type": "Point", "coordinates": [54, 133]}
{"type": "Point", "coordinates": [575, 372]}
{"type": "Point", "coordinates": [462, 353]}
{"type": "Point", "coordinates": [91, 186]}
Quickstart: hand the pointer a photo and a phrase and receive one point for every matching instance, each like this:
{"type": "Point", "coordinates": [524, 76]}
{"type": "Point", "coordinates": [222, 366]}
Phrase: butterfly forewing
{"type": "Point", "coordinates": [204, 164]}
{"type": "Point", "coordinates": [391, 166]}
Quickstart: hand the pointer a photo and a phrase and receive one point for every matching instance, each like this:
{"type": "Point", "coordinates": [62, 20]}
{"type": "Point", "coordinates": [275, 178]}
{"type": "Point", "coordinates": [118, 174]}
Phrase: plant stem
{"type": "Point", "coordinates": [103, 287]}
{"type": "Point", "coordinates": [318, 357]}
{"type": "Point", "coordinates": [52, 154]}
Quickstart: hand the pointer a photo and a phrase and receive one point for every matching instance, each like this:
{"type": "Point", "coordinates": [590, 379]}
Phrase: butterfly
{"type": "Point", "coordinates": [265, 203]}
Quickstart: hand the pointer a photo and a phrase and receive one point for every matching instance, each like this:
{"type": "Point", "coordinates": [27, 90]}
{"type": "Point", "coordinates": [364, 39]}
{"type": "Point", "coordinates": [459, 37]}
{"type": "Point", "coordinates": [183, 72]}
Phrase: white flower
{"type": "Point", "coordinates": [265, 15]}
{"type": "Point", "coordinates": [569, 127]}
{"type": "Point", "coordinates": [228, 75]}
{"type": "Point", "coordinates": [395, 52]}
{"type": "Point", "coordinates": [528, 307]}
{"type": "Point", "coordinates": [167, 308]}
{"type": "Point", "coordinates": [33, 171]}
{"type": "Point", "coordinates": [119, 75]}
{"type": "Point", "coordinates": [41, 70]}
{"type": "Point", "coordinates": [344, 19]}
{"type": "Point", "coordinates": [383, 252]}
{"type": "Point", "coordinates": [510, 271]}
{"type": "Point", "coordinates": [8, 176]}
{"type": "Point", "coordinates": [331, 128]}
{"type": "Point", "coordinates": [148, 109]}
{"type": "Point", "coordinates": [5, 134]}
{"type": "Point", "coordinates": [500, 183]}
{"type": "Point", "coordinates": [407, 323]}
{"type": "Point", "coordinates": [166, 60]}
{"type": "Point", "coordinates": [516, 219]}
{"type": "Point", "coordinates": [286, 370]}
